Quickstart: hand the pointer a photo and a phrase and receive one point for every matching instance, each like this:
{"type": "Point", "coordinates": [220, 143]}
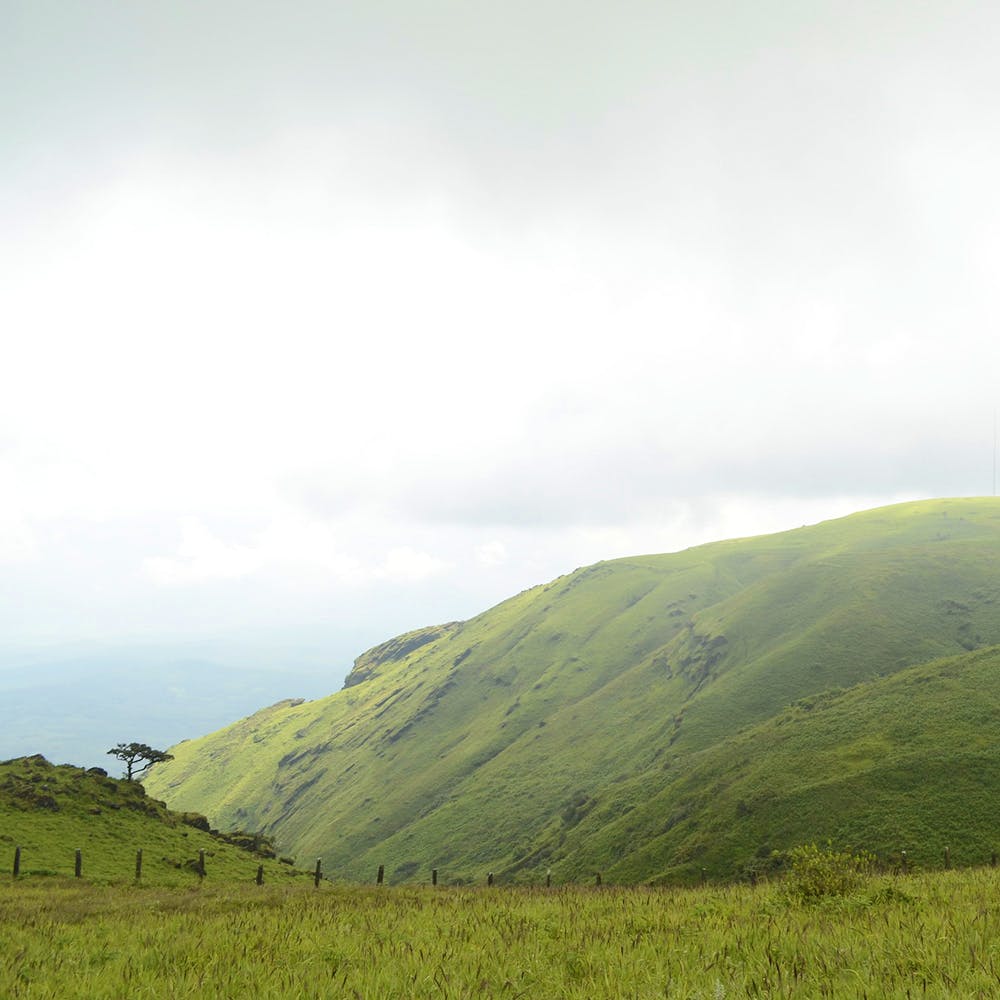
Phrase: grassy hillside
{"type": "Point", "coordinates": [559, 728]}
{"type": "Point", "coordinates": [907, 763]}
{"type": "Point", "coordinates": [51, 812]}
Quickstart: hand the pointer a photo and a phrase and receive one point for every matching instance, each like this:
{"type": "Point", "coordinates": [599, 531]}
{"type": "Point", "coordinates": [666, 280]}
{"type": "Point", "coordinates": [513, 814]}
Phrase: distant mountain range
{"type": "Point", "coordinates": [650, 717]}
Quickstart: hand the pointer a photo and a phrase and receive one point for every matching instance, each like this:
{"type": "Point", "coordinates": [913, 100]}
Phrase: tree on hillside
{"type": "Point", "coordinates": [133, 753]}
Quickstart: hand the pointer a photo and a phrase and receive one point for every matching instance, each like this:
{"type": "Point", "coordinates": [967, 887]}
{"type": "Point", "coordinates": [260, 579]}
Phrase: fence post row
{"type": "Point", "coordinates": [380, 877]}
{"type": "Point", "coordinates": [78, 865]}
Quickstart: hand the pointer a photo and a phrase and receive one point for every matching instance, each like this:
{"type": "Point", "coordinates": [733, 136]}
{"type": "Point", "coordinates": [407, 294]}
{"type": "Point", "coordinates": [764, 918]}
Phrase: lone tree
{"type": "Point", "coordinates": [133, 753]}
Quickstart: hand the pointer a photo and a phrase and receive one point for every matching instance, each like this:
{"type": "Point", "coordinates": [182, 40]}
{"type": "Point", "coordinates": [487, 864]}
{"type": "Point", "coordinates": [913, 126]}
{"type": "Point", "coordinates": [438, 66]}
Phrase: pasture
{"type": "Point", "coordinates": [930, 935]}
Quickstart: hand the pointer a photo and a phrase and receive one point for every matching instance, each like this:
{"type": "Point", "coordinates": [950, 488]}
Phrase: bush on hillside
{"type": "Point", "coordinates": [196, 820]}
{"type": "Point", "coordinates": [816, 873]}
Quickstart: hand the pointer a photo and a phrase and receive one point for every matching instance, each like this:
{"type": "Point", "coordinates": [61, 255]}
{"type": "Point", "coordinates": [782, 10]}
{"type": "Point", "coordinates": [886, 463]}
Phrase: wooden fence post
{"type": "Point", "coordinates": [78, 863]}
{"type": "Point", "coordinates": [489, 879]}
{"type": "Point", "coordinates": [598, 881]}
{"type": "Point", "coordinates": [434, 876]}
{"type": "Point", "coordinates": [548, 879]}
{"type": "Point", "coordinates": [902, 855]}
{"type": "Point", "coordinates": [17, 861]}
{"type": "Point", "coordinates": [947, 857]}
{"type": "Point", "coordinates": [318, 873]}
{"type": "Point", "coordinates": [704, 875]}
{"type": "Point", "coordinates": [138, 864]}
{"type": "Point", "coordinates": [380, 875]}
{"type": "Point", "coordinates": [201, 864]}
{"type": "Point", "coordinates": [260, 874]}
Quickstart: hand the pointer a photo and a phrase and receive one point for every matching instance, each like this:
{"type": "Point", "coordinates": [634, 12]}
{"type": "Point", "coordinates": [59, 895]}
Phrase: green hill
{"type": "Point", "coordinates": [633, 717]}
{"type": "Point", "coordinates": [50, 812]}
{"type": "Point", "coordinates": [907, 763]}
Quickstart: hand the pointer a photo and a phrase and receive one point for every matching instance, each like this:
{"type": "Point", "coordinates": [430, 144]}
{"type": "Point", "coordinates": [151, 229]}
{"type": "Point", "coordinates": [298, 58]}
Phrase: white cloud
{"type": "Point", "coordinates": [407, 565]}
{"type": "Point", "coordinates": [295, 544]}
{"type": "Point", "coordinates": [18, 543]}
{"type": "Point", "coordinates": [201, 557]}
{"type": "Point", "coordinates": [360, 310]}
{"type": "Point", "coordinates": [491, 554]}
{"type": "Point", "coordinates": [294, 549]}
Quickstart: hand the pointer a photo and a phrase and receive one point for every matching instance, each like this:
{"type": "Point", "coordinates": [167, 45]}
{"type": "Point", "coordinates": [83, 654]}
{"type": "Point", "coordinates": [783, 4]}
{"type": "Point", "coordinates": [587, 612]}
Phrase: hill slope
{"type": "Point", "coordinates": [558, 728]}
{"type": "Point", "coordinates": [51, 811]}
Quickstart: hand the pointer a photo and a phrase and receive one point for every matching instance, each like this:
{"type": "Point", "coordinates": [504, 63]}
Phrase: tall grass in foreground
{"type": "Point", "coordinates": [923, 936]}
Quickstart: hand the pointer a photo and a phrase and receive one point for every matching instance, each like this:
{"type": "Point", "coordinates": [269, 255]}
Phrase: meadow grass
{"type": "Point", "coordinates": [929, 935]}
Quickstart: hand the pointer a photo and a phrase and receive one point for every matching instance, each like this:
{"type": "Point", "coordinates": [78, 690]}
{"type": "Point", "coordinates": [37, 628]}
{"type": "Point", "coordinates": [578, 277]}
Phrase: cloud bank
{"type": "Point", "coordinates": [387, 311]}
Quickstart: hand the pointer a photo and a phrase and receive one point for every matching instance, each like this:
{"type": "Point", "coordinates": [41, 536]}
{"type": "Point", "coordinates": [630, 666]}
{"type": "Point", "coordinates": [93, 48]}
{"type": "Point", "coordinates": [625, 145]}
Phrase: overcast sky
{"type": "Point", "coordinates": [373, 313]}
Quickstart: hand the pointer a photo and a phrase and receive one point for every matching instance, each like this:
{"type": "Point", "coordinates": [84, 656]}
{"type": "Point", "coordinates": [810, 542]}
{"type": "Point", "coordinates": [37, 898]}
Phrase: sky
{"type": "Point", "coordinates": [354, 317]}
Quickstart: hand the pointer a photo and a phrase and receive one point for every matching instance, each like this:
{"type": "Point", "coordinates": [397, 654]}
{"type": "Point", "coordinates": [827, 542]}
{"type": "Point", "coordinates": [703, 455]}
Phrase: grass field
{"type": "Point", "coordinates": [931, 935]}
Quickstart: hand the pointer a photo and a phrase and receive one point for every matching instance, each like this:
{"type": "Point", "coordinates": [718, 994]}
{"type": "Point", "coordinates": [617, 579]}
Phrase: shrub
{"type": "Point", "coordinates": [815, 873]}
{"type": "Point", "coordinates": [196, 820]}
